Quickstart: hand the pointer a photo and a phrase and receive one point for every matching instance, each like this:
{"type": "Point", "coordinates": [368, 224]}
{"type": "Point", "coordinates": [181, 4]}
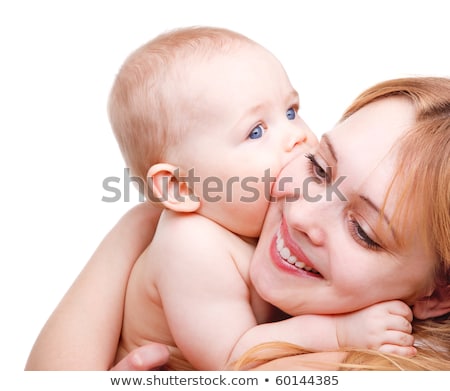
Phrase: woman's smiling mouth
{"type": "Point", "coordinates": [291, 255]}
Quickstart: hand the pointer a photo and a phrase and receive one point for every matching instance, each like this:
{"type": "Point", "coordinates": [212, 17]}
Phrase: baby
{"type": "Point", "coordinates": [207, 118]}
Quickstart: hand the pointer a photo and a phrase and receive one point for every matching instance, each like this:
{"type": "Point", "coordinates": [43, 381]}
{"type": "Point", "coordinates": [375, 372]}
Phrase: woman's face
{"type": "Point", "coordinates": [330, 250]}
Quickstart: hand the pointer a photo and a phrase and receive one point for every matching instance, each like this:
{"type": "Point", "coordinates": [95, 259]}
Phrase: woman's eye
{"type": "Point", "coordinates": [361, 236]}
{"type": "Point", "coordinates": [256, 132]}
{"type": "Point", "coordinates": [291, 114]}
{"type": "Point", "coordinates": [316, 169]}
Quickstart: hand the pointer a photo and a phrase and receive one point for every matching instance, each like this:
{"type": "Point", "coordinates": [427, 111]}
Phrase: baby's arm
{"type": "Point", "coordinates": [384, 326]}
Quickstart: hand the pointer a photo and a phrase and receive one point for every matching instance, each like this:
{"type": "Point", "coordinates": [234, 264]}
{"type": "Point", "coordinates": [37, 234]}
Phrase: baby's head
{"type": "Point", "coordinates": [214, 106]}
{"type": "Point", "coordinates": [148, 107]}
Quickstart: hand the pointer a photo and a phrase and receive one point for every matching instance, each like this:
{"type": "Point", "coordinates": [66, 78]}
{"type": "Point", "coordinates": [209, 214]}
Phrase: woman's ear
{"type": "Point", "coordinates": [168, 188]}
{"type": "Point", "coordinates": [435, 305]}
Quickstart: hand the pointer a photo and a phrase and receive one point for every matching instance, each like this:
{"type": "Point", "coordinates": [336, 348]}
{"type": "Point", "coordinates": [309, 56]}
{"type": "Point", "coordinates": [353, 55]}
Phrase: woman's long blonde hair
{"type": "Point", "coordinates": [423, 173]}
{"type": "Point", "coordinates": [433, 353]}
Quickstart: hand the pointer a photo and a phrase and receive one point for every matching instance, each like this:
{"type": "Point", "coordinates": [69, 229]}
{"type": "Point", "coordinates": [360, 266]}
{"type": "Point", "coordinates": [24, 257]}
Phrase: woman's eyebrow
{"type": "Point", "coordinates": [327, 141]}
{"type": "Point", "coordinates": [372, 205]}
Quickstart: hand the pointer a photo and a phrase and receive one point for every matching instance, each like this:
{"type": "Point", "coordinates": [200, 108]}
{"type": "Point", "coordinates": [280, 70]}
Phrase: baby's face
{"type": "Point", "coordinates": [244, 128]}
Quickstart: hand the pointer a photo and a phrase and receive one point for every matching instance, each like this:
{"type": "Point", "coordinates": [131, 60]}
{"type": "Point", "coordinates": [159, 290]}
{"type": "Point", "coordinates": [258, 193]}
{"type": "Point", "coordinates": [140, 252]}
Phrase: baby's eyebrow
{"type": "Point", "coordinates": [256, 109]}
{"type": "Point", "coordinates": [293, 95]}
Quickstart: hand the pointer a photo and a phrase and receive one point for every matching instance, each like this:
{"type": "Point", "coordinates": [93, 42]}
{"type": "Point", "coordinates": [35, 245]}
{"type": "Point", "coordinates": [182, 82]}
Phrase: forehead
{"type": "Point", "coordinates": [242, 73]}
{"type": "Point", "coordinates": [366, 146]}
{"type": "Point", "coordinates": [365, 143]}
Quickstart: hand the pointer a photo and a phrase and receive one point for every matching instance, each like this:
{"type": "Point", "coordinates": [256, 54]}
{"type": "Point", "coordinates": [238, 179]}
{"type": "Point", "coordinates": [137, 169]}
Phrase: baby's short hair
{"type": "Point", "coordinates": [142, 99]}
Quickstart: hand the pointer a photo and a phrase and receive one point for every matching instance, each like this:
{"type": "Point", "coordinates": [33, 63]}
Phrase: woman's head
{"type": "Point", "coordinates": [366, 225]}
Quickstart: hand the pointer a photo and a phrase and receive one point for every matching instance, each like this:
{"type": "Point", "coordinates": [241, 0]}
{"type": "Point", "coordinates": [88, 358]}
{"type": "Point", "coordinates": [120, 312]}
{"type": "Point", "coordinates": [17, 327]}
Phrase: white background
{"type": "Point", "coordinates": [58, 60]}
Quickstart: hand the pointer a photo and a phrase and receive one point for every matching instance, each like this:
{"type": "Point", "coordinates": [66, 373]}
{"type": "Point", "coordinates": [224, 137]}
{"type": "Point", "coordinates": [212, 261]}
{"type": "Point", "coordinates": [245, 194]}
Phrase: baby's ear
{"type": "Point", "coordinates": [168, 188]}
{"type": "Point", "coordinates": [435, 305]}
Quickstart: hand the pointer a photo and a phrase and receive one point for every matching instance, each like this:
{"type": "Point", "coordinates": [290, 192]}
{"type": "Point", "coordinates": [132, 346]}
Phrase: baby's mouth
{"type": "Point", "coordinates": [287, 256]}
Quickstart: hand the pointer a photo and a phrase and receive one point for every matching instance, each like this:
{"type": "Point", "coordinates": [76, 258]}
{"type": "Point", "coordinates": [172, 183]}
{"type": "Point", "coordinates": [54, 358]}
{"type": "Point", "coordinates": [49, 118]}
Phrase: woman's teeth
{"type": "Point", "coordinates": [285, 253]}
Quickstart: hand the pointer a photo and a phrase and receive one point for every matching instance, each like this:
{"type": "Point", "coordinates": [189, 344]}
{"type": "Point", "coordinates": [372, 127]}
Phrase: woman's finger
{"type": "Point", "coordinates": [144, 358]}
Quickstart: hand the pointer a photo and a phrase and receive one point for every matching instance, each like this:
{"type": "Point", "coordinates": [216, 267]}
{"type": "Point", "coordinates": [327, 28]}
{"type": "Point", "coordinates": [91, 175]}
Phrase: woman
{"type": "Point", "coordinates": [369, 245]}
{"type": "Point", "coordinates": [409, 158]}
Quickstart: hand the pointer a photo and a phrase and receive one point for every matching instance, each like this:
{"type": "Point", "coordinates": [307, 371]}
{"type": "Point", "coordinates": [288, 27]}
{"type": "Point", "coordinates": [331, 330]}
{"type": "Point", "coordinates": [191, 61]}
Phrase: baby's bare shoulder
{"type": "Point", "coordinates": [198, 241]}
{"type": "Point", "coordinates": [194, 229]}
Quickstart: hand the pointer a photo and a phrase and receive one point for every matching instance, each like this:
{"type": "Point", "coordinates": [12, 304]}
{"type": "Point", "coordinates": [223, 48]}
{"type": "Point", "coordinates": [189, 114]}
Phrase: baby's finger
{"type": "Point", "coordinates": [398, 338]}
{"type": "Point", "coordinates": [405, 351]}
{"type": "Point", "coordinates": [400, 308]}
{"type": "Point", "coordinates": [398, 323]}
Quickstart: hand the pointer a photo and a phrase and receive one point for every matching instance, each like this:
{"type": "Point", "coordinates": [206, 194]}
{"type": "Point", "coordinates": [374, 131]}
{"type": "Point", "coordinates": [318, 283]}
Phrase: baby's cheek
{"type": "Point", "coordinates": [248, 213]}
{"type": "Point", "coordinates": [255, 214]}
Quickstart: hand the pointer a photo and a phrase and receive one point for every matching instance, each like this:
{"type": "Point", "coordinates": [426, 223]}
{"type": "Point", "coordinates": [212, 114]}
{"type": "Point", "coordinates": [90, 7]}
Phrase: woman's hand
{"type": "Point", "coordinates": [144, 358]}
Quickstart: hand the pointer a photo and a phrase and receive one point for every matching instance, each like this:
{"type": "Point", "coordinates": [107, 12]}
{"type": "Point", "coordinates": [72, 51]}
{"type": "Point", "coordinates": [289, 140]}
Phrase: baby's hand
{"type": "Point", "coordinates": [383, 326]}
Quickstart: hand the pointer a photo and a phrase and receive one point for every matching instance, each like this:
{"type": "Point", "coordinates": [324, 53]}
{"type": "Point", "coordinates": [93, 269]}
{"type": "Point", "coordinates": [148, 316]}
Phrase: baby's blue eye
{"type": "Point", "coordinates": [256, 132]}
{"type": "Point", "coordinates": [290, 114]}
